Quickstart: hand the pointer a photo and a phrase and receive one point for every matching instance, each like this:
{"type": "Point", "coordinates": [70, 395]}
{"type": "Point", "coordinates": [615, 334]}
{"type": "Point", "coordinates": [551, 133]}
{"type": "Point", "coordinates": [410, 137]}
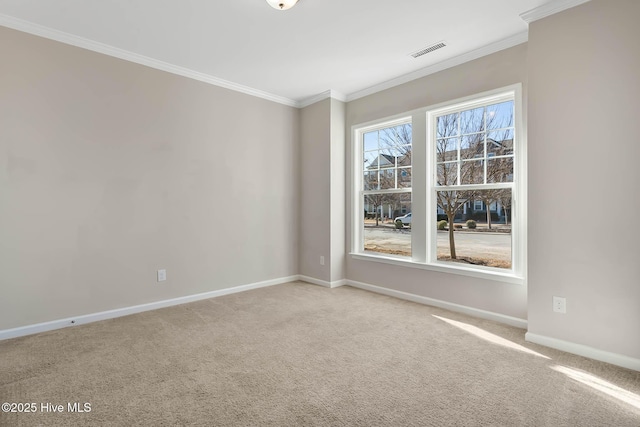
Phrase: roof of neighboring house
{"type": "Point", "coordinates": [387, 160]}
{"type": "Point", "coordinates": [498, 148]}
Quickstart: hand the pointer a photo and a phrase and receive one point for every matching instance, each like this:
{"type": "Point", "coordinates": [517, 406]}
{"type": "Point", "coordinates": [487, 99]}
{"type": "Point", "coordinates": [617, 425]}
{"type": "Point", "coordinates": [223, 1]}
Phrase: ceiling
{"type": "Point", "coordinates": [350, 47]}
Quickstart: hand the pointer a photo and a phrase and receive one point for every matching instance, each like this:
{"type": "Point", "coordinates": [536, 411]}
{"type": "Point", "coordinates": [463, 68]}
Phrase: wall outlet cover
{"type": "Point", "coordinates": [560, 305]}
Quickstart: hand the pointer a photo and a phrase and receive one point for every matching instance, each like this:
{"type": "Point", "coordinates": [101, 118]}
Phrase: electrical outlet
{"type": "Point", "coordinates": [162, 275]}
{"type": "Point", "coordinates": [560, 305]}
{"type": "Point", "coordinates": [322, 260]}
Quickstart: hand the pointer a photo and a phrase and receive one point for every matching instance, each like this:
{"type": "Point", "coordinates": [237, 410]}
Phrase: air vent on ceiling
{"type": "Point", "coordinates": [428, 49]}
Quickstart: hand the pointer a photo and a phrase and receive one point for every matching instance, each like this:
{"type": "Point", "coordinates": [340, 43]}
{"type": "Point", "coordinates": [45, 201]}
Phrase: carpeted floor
{"type": "Point", "coordinates": [299, 354]}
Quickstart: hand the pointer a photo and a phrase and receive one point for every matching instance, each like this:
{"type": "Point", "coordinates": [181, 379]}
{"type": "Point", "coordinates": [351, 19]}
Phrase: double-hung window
{"type": "Point", "coordinates": [465, 214]}
{"type": "Point", "coordinates": [472, 159]}
{"type": "Point", "coordinates": [385, 193]}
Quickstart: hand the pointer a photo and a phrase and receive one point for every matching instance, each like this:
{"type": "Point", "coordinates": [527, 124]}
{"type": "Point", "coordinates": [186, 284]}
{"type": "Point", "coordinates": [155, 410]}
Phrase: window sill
{"type": "Point", "coordinates": [442, 268]}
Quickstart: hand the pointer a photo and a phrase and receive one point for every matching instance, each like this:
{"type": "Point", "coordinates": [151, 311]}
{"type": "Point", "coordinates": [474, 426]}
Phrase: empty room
{"type": "Point", "coordinates": [319, 212]}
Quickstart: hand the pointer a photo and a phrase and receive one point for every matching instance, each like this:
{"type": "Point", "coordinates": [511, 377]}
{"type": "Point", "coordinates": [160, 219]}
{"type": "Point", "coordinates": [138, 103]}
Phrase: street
{"type": "Point", "coordinates": [489, 246]}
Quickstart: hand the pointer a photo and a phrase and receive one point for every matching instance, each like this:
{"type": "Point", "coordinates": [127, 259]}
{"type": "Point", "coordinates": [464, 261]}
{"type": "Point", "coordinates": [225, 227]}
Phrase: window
{"type": "Point", "coordinates": [472, 146]}
{"type": "Point", "coordinates": [468, 158]}
{"type": "Point", "coordinates": [386, 188]}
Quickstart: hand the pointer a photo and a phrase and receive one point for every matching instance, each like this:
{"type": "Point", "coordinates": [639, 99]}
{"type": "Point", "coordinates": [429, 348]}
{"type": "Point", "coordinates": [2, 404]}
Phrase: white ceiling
{"type": "Point", "coordinates": [351, 47]}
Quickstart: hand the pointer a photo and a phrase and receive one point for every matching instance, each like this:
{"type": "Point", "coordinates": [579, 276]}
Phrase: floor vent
{"type": "Point", "coordinates": [428, 49]}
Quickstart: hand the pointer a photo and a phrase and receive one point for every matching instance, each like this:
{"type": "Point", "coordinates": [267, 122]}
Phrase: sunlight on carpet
{"type": "Point", "coordinates": [488, 336]}
{"type": "Point", "coordinates": [600, 385]}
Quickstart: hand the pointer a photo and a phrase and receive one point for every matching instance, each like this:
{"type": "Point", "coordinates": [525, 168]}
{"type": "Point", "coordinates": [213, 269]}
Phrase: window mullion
{"type": "Point", "coordinates": [395, 173]}
{"type": "Point", "coordinates": [484, 154]}
{"type": "Point", "coordinates": [459, 150]}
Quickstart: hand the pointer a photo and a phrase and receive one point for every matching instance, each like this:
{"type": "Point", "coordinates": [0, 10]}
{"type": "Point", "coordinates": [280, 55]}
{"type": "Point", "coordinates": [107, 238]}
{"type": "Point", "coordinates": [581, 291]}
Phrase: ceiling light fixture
{"type": "Point", "coordinates": [282, 4]}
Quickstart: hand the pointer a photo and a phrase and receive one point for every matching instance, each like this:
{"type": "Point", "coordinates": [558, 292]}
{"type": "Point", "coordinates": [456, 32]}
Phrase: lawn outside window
{"type": "Point", "coordinates": [463, 163]}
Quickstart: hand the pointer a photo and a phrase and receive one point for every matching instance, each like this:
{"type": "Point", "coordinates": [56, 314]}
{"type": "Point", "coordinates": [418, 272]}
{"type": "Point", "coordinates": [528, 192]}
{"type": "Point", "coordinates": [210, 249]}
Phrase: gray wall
{"type": "Point", "coordinates": [490, 72]}
{"type": "Point", "coordinates": [322, 199]}
{"type": "Point", "coordinates": [584, 127]}
{"type": "Point", "coordinates": [110, 170]}
{"type": "Point", "coordinates": [338, 193]}
{"type": "Point", "coordinates": [315, 197]}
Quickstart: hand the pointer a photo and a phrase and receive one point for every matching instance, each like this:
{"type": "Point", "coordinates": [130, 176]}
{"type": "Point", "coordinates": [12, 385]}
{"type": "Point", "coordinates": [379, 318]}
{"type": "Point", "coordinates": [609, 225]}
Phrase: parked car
{"type": "Point", "coordinates": [405, 219]}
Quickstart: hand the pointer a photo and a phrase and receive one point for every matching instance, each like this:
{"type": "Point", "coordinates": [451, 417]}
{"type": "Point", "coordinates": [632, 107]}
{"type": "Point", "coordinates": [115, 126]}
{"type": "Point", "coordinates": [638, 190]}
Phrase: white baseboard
{"type": "Point", "coordinates": [585, 351]}
{"type": "Point", "coordinates": [110, 314]}
{"type": "Point", "coordinates": [314, 281]}
{"type": "Point", "coordinates": [476, 312]}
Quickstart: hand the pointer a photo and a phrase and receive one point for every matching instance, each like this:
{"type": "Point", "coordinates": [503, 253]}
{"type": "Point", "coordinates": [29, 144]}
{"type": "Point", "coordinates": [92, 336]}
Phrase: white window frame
{"type": "Point", "coordinates": [357, 237]}
{"type": "Point", "coordinates": [423, 190]}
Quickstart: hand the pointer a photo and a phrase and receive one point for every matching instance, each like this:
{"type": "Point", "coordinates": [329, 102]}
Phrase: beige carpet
{"type": "Point", "coordinates": [299, 354]}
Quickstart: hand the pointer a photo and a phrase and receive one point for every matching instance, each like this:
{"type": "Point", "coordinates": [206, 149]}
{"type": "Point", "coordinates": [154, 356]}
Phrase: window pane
{"type": "Point", "coordinates": [500, 170]}
{"type": "Point", "coordinates": [396, 135]}
{"type": "Point", "coordinates": [472, 146]}
{"type": "Point", "coordinates": [448, 173]}
{"type": "Point", "coordinates": [447, 125]}
{"type": "Point", "coordinates": [472, 172]}
{"type": "Point", "coordinates": [404, 177]}
{"type": "Point", "coordinates": [489, 243]}
{"type": "Point", "coordinates": [447, 149]}
{"type": "Point", "coordinates": [500, 143]}
{"type": "Point", "coordinates": [371, 141]}
{"type": "Point", "coordinates": [404, 159]}
{"type": "Point", "coordinates": [500, 115]}
{"type": "Point", "coordinates": [371, 160]}
{"type": "Point", "coordinates": [380, 232]}
{"type": "Point", "coordinates": [371, 180]}
{"type": "Point", "coordinates": [472, 121]}
{"type": "Point", "coordinates": [387, 179]}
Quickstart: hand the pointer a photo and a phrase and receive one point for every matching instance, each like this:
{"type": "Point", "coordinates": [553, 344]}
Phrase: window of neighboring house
{"type": "Point", "coordinates": [385, 189]}
{"type": "Point", "coordinates": [470, 161]}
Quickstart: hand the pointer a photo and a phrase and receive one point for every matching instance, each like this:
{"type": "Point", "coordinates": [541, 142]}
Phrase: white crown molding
{"type": "Point", "coordinates": [322, 96]}
{"type": "Point", "coordinates": [585, 351]}
{"type": "Point", "coordinates": [338, 95]}
{"type": "Point", "coordinates": [514, 40]}
{"type": "Point", "coordinates": [549, 9]}
{"type": "Point", "coordinates": [70, 39]}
